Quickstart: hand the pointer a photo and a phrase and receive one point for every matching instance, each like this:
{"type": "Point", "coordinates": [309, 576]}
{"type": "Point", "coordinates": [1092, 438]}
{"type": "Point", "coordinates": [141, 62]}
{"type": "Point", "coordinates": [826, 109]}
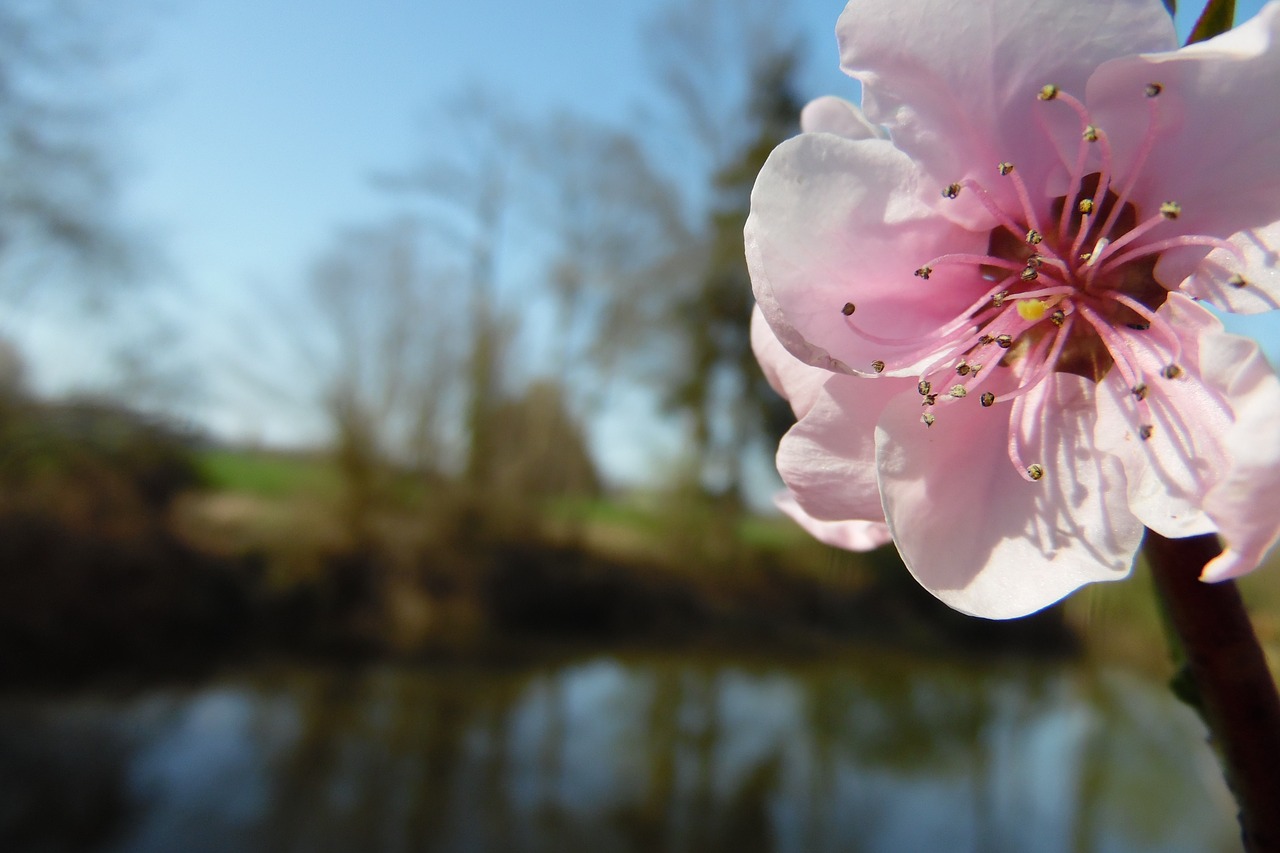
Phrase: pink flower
{"type": "Point", "coordinates": [987, 322]}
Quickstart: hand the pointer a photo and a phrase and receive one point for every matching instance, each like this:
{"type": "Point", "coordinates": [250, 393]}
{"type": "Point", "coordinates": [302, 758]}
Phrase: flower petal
{"type": "Point", "coordinates": [828, 458]}
{"type": "Point", "coordinates": [1257, 265]}
{"type": "Point", "coordinates": [1216, 134]}
{"type": "Point", "coordinates": [796, 382]}
{"type": "Point", "coordinates": [849, 535]}
{"type": "Point", "coordinates": [1243, 503]}
{"type": "Point", "coordinates": [978, 535]}
{"type": "Point", "coordinates": [1169, 473]}
{"type": "Point", "coordinates": [837, 222]}
{"type": "Point", "coordinates": [836, 115]}
{"type": "Point", "coordinates": [955, 82]}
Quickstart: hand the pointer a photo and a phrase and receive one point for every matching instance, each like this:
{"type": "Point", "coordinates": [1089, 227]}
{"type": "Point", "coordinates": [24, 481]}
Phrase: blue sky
{"type": "Point", "coordinates": [253, 126]}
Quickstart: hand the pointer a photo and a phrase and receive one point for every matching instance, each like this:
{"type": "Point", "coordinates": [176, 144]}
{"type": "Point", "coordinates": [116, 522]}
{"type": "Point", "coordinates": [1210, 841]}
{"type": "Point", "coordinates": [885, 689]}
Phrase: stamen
{"type": "Point", "coordinates": [1171, 243]}
{"type": "Point", "coordinates": [1102, 253]}
{"type": "Point", "coordinates": [998, 212]}
{"type": "Point", "coordinates": [967, 258]}
{"type": "Point", "coordinates": [924, 272]}
{"type": "Point", "coordinates": [924, 387]}
{"type": "Point", "coordinates": [1153, 319]}
{"type": "Point", "coordinates": [958, 391]}
{"type": "Point", "coordinates": [1024, 198]}
{"type": "Point", "coordinates": [987, 399]}
{"type": "Point", "coordinates": [951, 191]}
{"type": "Point", "coordinates": [1048, 93]}
{"type": "Point", "coordinates": [1139, 161]}
{"type": "Point", "coordinates": [848, 309]}
{"type": "Point", "coordinates": [1144, 431]}
{"type": "Point", "coordinates": [1035, 471]}
{"type": "Point", "coordinates": [1153, 89]}
{"type": "Point", "coordinates": [877, 366]}
{"type": "Point", "coordinates": [927, 419]}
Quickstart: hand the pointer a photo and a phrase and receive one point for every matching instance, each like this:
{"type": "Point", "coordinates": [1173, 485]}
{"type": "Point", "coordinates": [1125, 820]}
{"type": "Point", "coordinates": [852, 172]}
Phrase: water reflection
{"type": "Point", "coordinates": [618, 755]}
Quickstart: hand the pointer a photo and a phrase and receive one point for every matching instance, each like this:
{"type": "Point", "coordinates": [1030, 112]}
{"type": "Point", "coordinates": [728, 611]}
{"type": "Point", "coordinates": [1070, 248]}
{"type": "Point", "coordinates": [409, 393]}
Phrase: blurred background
{"type": "Point", "coordinates": [383, 466]}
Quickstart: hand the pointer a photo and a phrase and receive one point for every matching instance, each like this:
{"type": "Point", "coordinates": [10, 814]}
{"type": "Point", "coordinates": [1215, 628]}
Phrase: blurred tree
{"type": "Point", "coordinates": [612, 219]}
{"type": "Point", "coordinates": [471, 189]}
{"type": "Point", "coordinates": [736, 105]}
{"type": "Point", "coordinates": [390, 362]}
{"type": "Point", "coordinates": [57, 185]}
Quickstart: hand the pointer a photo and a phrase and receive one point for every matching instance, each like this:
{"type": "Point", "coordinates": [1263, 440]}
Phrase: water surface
{"type": "Point", "coordinates": [605, 754]}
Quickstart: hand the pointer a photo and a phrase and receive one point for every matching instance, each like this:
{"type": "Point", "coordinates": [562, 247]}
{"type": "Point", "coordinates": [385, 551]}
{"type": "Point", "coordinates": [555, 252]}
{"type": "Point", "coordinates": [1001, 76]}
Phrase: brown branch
{"type": "Point", "coordinates": [1228, 673]}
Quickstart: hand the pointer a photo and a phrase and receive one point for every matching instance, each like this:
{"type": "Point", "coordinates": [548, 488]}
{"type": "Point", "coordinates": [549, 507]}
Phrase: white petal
{"type": "Point", "coordinates": [977, 534]}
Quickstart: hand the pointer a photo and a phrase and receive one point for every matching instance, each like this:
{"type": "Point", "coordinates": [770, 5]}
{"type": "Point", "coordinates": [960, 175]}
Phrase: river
{"type": "Point", "coordinates": [618, 753]}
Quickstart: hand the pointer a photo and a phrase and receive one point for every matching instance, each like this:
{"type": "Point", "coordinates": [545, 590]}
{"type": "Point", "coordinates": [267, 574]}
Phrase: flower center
{"type": "Point", "coordinates": [1064, 289]}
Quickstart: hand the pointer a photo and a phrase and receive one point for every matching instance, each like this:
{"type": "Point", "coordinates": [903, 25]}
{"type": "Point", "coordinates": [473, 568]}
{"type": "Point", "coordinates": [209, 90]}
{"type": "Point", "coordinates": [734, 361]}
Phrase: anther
{"type": "Point", "coordinates": [1140, 391]}
{"type": "Point", "coordinates": [924, 387]}
{"type": "Point", "coordinates": [924, 272]}
{"type": "Point", "coordinates": [999, 298]}
{"type": "Point", "coordinates": [1144, 431]}
{"type": "Point", "coordinates": [988, 399]}
{"type": "Point", "coordinates": [963, 368]}
{"type": "Point", "coordinates": [848, 309]}
{"type": "Point", "coordinates": [1035, 471]}
{"type": "Point", "coordinates": [985, 339]}
{"type": "Point", "coordinates": [927, 419]}
{"type": "Point", "coordinates": [951, 191]}
{"type": "Point", "coordinates": [1048, 93]}
{"type": "Point", "coordinates": [958, 391]}
{"type": "Point", "coordinates": [1153, 89]}
{"type": "Point", "coordinates": [1090, 133]}
{"type": "Point", "coordinates": [1004, 168]}
{"type": "Point", "coordinates": [929, 399]}
{"type": "Point", "coordinates": [1171, 372]}
{"type": "Point", "coordinates": [1029, 274]}
{"type": "Point", "coordinates": [1170, 210]}
{"type": "Point", "coordinates": [1034, 237]}
{"type": "Point", "coordinates": [877, 366]}
{"type": "Point", "coordinates": [1034, 260]}
{"type": "Point", "coordinates": [1058, 317]}
{"type": "Point", "coordinates": [1085, 206]}
{"type": "Point", "coordinates": [1237, 280]}
{"type": "Point", "coordinates": [1004, 341]}
{"type": "Point", "coordinates": [1138, 327]}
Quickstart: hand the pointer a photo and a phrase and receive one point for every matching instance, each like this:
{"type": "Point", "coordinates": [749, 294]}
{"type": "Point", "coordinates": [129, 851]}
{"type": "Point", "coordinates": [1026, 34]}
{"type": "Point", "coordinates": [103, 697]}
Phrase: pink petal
{"type": "Point", "coordinates": [1257, 262]}
{"type": "Point", "coordinates": [835, 222]}
{"type": "Point", "coordinates": [1244, 502]}
{"type": "Point", "coordinates": [828, 458]}
{"type": "Point", "coordinates": [796, 382]}
{"type": "Point", "coordinates": [850, 535]}
{"type": "Point", "coordinates": [978, 535]}
{"type": "Point", "coordinates": [836, 115]}
{"type": "Point", "coordinates": [1169, 473]}
{"type": "Point", "coordinates": [955, 82]}
{"type": "Point", "coordinates": [1217, 134]}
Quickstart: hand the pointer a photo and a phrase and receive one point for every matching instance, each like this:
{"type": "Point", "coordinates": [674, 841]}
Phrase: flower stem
{"type": "Point", "coordinates": [1227, 676]}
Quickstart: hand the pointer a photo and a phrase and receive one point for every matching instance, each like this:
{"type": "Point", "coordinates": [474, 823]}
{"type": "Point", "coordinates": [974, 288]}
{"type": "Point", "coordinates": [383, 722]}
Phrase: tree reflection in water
{"type": "Point", "coordinates": [655, 753]}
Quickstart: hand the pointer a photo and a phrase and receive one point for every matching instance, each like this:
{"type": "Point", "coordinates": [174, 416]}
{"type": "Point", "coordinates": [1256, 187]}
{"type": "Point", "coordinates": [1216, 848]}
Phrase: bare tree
{"type": "Point", "coordinates": [469, 190]}
{"type": "Point", "coordinates": [726, 68]}
{"type": "Point", "coordinates": [58, 189]}
{"type": "Point", "coordinates": [389, 358]}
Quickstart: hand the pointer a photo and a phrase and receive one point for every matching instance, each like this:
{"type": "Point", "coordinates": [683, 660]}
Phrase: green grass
{"type": "Point", "coordinates": [268, 475]}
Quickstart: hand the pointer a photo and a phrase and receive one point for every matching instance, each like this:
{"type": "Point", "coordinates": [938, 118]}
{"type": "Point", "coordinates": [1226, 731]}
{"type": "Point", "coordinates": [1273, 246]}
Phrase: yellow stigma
{"type": "Point", "coordinates": [1032, 310]}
